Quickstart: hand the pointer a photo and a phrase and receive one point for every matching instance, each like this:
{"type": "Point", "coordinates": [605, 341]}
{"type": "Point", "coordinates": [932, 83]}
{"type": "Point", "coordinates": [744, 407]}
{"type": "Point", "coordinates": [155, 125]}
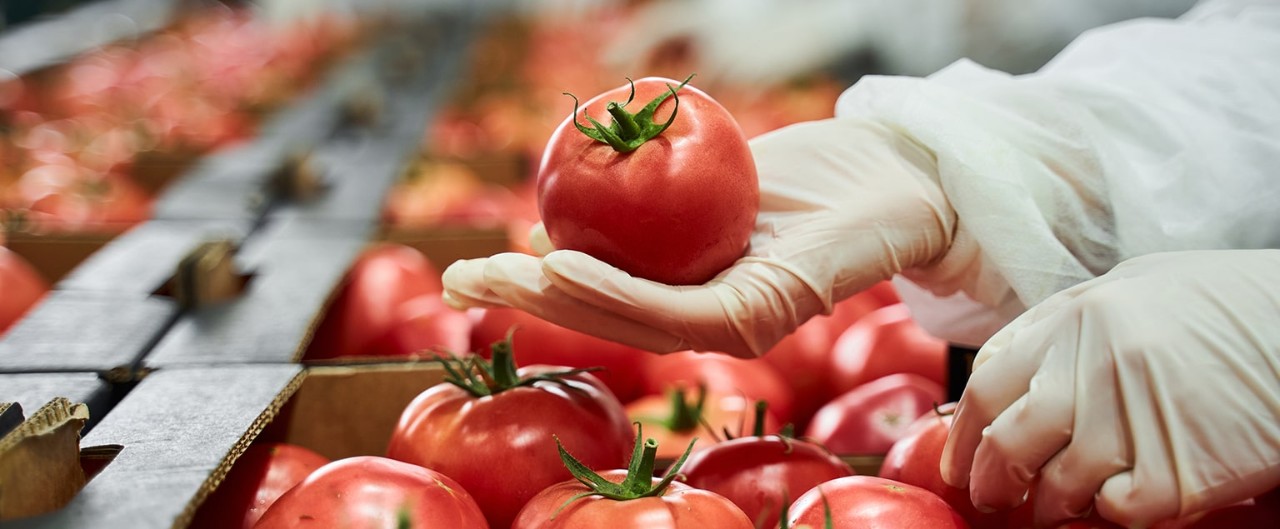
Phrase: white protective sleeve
{"type": "Point", "coordinates": [1143, 136]}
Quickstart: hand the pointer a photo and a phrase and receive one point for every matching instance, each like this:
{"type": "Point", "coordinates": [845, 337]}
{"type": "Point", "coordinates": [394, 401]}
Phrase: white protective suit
{"type": "Point", "coordinates": [1145, 136]}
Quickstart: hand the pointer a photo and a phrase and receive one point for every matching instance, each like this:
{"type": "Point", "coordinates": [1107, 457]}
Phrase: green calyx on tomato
{"type": "Point", "coordinates": [639, 481]}
{"type": "Point", "coordinates": [629, 131]}
{"type": "Point", "coordinates": [481, 377]}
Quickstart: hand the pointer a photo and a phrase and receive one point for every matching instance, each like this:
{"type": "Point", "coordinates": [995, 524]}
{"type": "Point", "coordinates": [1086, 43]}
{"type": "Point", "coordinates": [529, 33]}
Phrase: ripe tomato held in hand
{"type": "Point", "coordinates": [21, 287]}
{"type": "Point", "coordinates": [872, 417]}
{"type": "Point", "coordinates": [369, 492]}
{"type": "Point", "coordinates": [382, 279]}
{"type": "Point", "coordinates": [538, 341]}
{"type": "Point", "coordinates": [260, 476]}
{"type": "Point", "coordinates": [761, 473]}
{"type": "Point", "coordinates": [886, 342]}
{"type": "Point", "coordinates": [866, 501]}
{"type": "Point", "coordinates": [491, 428]}
{"type": "Point", "coordinates": [628, 499]}
{"type": "Point", "coordinates": [677, 208]}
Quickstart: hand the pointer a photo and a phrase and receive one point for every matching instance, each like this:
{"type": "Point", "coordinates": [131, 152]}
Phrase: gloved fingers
{"type": "Point", "coordinates": [1072, 479]}
{"type": "Point", "coordinates": [518, 280]}
{"type": "Point", "coordinates": [690, 312]}
{"type": "Point", "coordinates": [1130, 500]}
{"type": "Point", "coordinates": [1030, 431]}
{"type": "Point", "coordinates": [992, 387]}
{"type": "Point", "coordinates": [539, 241]}
{"type": "Point", "coordinates": [465, 287]}
{"type": "Point", "coordinates": [742, 312]}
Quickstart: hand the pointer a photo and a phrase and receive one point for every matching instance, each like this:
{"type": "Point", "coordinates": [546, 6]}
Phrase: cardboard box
{"type": "Point", "coordinates": [181, 430]}
{"type": "Point", "coordinates": [40, 460]}
{"type": "Point", "coordinates": [143, 260]}
{"type": "Point", "coordinates": [55, 255]}
{"type": "Point", "coordinates": [30, 391]}
{"type": "Point", "coordinates": [104, 333]}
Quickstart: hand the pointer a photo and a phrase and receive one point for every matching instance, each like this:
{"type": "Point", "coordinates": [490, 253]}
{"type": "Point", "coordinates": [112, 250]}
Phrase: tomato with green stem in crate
{"type": "Point", "coordinates": [760, 473]}
{"type": "Point", "coordinates": [628, 499]}
{"type": "Point", "coordinates": [491, 427]}
{"type": "Point", "coordinates": [867, 501]}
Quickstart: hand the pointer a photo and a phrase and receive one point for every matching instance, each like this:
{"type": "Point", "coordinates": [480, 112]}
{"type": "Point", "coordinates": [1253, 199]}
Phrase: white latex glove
{"type": "Point", "coordinates": [843, 204]}
{"type": "Point", "coordinates": [1153, 390]}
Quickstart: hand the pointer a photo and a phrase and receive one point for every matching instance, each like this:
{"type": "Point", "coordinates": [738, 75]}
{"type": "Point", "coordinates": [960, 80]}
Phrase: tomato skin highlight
{"type": "Point", "coordinates": [678, 210]}
{"type": "Point", "coordinates": [259, 477]}
{"type": "Point", "coordinates": [680, 507]}
{"type": "Point", "coordinates": [759, 473]}
{"type": "Point", "coordinates": [368, 492]}
{"type": "Point", "coordinates": [874, 503]}
{"type": "Point", "coordinates": [872, 417]}
{"type": "Point", "coordinates": [501, 447]}
{"type": "Point", "coordinates": [369, 303]}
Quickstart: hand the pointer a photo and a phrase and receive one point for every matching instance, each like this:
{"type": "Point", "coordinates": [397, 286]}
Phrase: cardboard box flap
{"type": "Point", "coordinates": [85, 331]}
{"type": "Point", "coordinates": [273, 319]}
{"type": "Point", "coordinates": [180, 431]}
{"type": "Point", "coordinates": [372, 396]}
{"type": "Point", "coordinates": [31, 390]}
{"type": "Point", "coordinates": [40, 460]}
{"type": "Point", "coordinates": [143, 260]}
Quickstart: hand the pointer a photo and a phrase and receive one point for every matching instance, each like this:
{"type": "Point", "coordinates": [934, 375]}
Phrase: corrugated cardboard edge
{"type": "Point", "coordinates": [43, 453]}
{"type": "Point", "coordinates": [220, 473]}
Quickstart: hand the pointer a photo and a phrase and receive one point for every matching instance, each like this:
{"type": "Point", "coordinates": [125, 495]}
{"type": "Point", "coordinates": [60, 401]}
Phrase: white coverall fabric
{"type": "Point", "coordinates": [1141, 137]}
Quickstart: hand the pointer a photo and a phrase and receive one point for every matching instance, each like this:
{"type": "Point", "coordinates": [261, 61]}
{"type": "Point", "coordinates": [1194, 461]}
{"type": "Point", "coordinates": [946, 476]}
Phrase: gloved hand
{"type": "Point", "coordinates": [1153, 390]}
{"type": "Point", "coordinates": [844, 203]}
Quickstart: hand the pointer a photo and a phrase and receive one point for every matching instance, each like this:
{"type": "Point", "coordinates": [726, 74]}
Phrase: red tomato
{"type": "Point", "coordinates": [758, 474]}
{"type": "Point", "coordinates": [869, 419]}
{"type": "Point", "coordinates": [678, 209]}
{"type": "Point", "coordinates": [259, 477]}
{"type": "Point", "coordinates": [680, 507]}
{"type": "Point", "coordinates": [381, 280]}
{"type": "Point", "coordinates": [21, 285]}
{"type": "Point", "coordinates": [500, 447]}
{"type": "Point", "coordinates": [874, 503]}
{"type": "Point", "coordinates": [915, 460]}
{"type": "Point", "coordinates": [661, 419]}
{"type": "Point", "coordinates": [373, 493]}
{"type": "Point", "coordinates": [424, 326]}
{"type": "Point", "coordinates": [541, 342]}
{"type": "Point", "coordinates": [886, 342]}
{"type": "Point", "coordinates": [751, 378]}
{"type": "Point", "coordinates": [803, 357]}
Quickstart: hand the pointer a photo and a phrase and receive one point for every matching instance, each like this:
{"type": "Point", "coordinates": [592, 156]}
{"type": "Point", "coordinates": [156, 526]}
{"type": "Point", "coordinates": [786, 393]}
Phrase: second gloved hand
{"type": "Point", "coordinates": [844, 203]}
{"type": "Point", "coordinates": [1152, 391]}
